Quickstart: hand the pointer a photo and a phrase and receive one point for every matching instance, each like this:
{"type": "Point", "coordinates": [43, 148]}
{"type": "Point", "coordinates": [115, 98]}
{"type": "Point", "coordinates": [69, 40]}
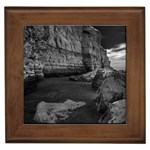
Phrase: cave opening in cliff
{"type": "Point", "coordinates": [74, 74]}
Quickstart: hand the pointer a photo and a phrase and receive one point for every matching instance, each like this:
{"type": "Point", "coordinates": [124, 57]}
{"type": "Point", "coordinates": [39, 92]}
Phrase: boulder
{"type": "Point", "coordinates": [103, 73]}
{"type": "Point", "coordinates": [110, 91]}
{"type": "Point", "coordinates": [111, 87]}
{"type": "Point", "coordinates": [118, 111]}
{"type": "Point", "coordinates": [53, 112]}
{"type": "Point", "coordinates": [115, 113]}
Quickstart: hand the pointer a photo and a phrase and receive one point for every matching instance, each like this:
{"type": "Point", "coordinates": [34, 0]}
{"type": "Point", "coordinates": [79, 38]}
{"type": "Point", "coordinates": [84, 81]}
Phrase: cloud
{"type": "Point", "coordinates": [118, 47]}
{"type": "Point", "coordinates": [119, 64]}
{"type": "Point", "coordinates": [117, 56]}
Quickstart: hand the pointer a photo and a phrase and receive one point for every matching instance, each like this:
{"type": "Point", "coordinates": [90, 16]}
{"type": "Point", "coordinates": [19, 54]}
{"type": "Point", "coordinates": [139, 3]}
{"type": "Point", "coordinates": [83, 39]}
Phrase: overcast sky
{"type": "Point", "coordinates": [114, 41]}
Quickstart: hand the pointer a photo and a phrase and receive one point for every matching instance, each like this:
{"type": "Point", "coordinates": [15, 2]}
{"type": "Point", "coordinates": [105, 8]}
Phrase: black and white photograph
{"type": "Point", "coordinates": [74, 74]}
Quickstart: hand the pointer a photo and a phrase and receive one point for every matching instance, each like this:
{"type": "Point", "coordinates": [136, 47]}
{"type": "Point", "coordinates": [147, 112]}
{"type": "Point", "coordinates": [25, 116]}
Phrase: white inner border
{"type": "Point", "coordinates": [50, 3]}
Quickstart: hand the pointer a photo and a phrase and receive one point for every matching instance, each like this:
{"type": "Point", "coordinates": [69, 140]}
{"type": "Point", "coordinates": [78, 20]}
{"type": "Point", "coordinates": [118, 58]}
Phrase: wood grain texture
{"type": "Point", "coordinates": [132, 132]}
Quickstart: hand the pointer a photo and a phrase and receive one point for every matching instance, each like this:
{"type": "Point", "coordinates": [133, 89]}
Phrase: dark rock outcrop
{"type": "Point", "coordinates": [111, 87]}
{"type": "Point", "coordinates": [118, 111]}
{"type": "Point", "coordinates": [103, 73]}
{"type": "Point", "coordinates": [115, 113]}
{"type": "Point", "coordinates": [87, 77]}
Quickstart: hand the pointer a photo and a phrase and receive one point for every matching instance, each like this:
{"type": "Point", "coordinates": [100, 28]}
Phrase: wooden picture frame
{"type": "Point", "coordinates": [134, 20]}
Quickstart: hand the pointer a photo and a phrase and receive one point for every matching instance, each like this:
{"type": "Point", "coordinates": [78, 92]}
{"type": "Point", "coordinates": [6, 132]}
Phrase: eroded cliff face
{"type": "Point", "coordinates": [62, 50]}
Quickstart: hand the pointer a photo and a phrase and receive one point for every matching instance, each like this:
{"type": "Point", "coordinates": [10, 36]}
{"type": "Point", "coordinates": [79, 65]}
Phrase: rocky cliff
{"type": "Point", "coordinates": [61, 50]}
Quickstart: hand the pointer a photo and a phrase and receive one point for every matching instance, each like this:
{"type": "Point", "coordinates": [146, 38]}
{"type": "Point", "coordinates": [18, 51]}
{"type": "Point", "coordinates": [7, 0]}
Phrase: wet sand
{"type": "Point", "coordinates": [59, 90]}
